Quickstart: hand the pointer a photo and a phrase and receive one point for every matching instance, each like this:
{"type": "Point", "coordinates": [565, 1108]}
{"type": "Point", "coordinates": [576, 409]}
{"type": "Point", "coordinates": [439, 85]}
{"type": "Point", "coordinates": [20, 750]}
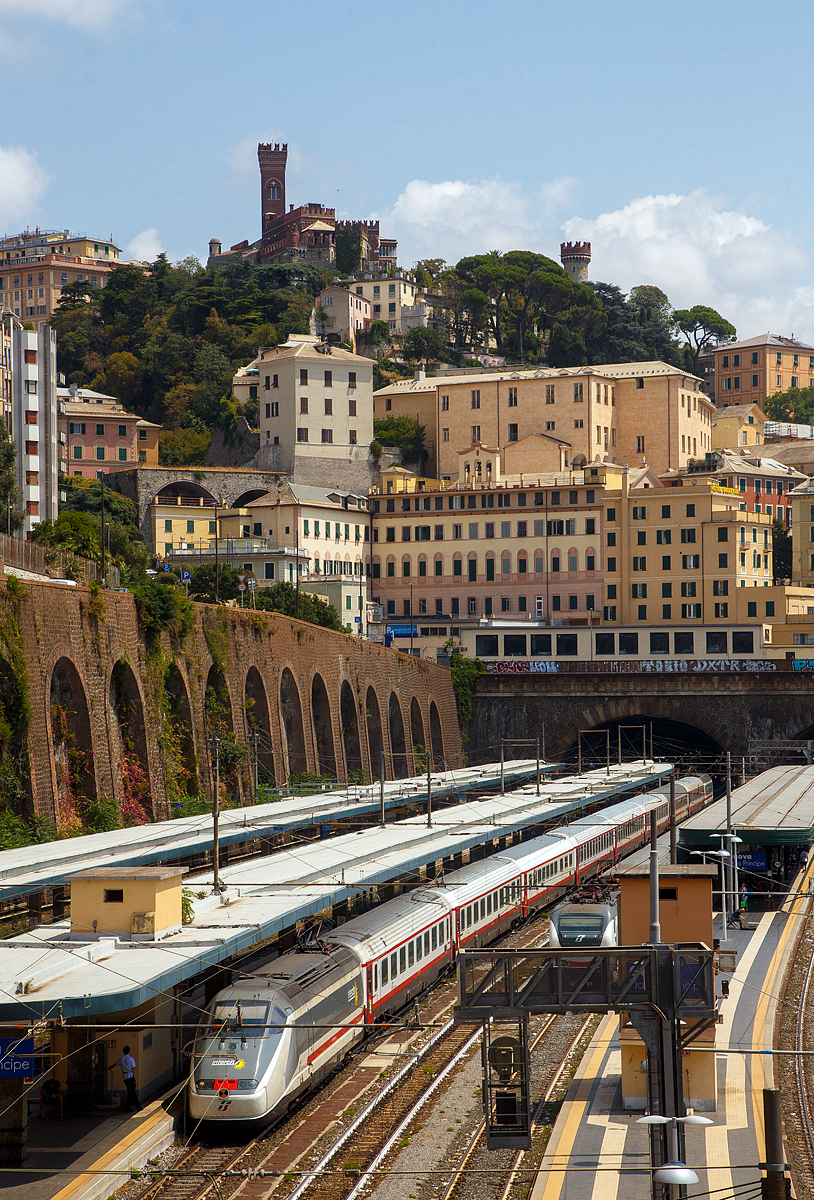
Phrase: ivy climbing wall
{"type": "Point", "coordinates": [100, 727]}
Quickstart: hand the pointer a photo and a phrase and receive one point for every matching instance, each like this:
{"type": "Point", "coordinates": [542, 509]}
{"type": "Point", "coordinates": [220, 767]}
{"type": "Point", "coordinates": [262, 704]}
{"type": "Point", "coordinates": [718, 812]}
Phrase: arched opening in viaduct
{"type": "Point", "coordinates": [178, 739]}
{"type": "Point", "coordinates": [323, 728]}
{"type": "Point", "coordinates": [247, 497]}
{"type": "Point", "coordinates": [73, 749]}
{"type": "Point", "coordinates": [398, 743]}
{"type": "Point", "coordinates": [291, 712]}
{"type": "Point", "coordinates": [232, 756]}
{"type": "Point", "coordinates": [418, 736]}
{"type": "Point", "coordinates": [257, 719]}
{"type": "Point", "coordinates": [688, 746]}
{"type": "Point", "coordinates": [135, 795]}
{"type": "Point", "coordinates": [349, 719]}
{"type": "Point", "coordinates": [15, 782]}
{"type": "Point", "coordinates": [436, 737]}
{"type": "Point", "coordinates": [374, 732]}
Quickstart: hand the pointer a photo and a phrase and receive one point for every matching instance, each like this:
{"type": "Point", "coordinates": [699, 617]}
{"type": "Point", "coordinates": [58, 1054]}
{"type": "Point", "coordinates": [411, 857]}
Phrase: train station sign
{"type": "Point", "coordinates": [16, 1058]}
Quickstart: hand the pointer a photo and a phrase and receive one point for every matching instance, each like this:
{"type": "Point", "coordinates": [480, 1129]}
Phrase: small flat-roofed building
{"type": "Point", "coordinates": [132, 903]}
{"type": "Point", "coordinates": [685, 915]}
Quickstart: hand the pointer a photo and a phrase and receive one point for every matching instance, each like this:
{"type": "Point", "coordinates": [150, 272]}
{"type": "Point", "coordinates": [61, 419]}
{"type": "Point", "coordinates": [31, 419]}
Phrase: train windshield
{"type": "Point", "coordinates": [587, 927]}
{"type": "Point", "coordinates": [250, 1015]}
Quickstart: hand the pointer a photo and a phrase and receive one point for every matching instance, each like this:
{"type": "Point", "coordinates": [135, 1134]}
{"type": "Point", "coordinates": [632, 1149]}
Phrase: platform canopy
{"type": "Point", "coordinates": [775, 808]}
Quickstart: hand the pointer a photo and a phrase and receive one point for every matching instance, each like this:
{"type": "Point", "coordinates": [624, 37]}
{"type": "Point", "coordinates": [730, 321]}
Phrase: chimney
{"type": "Point", "coordinates": [420, 375]}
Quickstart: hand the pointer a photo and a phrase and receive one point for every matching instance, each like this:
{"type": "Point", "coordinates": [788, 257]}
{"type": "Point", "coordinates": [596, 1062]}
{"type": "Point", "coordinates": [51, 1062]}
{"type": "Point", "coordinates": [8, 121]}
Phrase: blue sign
{"type": "Point", "coordinates": [16, 1057]}
{"type": "Point", "coordinates": [751, 860]}
{"type": "Point", "coordinates": [167, 567]}
{"type": "Point", "coordinates": [186, 576]}
{"type": "Point", "coordinates": [402, 630]}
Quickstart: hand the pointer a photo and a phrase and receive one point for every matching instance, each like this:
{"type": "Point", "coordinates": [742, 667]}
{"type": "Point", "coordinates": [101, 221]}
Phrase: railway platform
{"type": "Point", "coordinates": [598, 1151]}
{"type": "Point", "coordinates": [105, 1145]}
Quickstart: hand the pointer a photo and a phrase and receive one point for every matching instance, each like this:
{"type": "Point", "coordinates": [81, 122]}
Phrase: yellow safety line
{"type": "Point", "coordinates": [576, 1109]}
{"type": "Point", "coordinates": [105, 1161]}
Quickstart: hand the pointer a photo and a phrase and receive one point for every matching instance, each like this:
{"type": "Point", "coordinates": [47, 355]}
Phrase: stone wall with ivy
{"type": "Point", "coordinates": [109, 703]}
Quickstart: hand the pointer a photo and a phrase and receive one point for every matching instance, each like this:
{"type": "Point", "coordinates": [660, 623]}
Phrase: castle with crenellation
{"type": "Point", "coordinates": [304, 234]}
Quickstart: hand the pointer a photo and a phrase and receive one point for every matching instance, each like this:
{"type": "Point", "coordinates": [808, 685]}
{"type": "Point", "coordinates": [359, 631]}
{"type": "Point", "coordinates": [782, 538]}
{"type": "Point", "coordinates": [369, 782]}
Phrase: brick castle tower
{"type": "Point", "coordinates": [575, 258]}
{"type": "Point", "coordinates": [272, 159]}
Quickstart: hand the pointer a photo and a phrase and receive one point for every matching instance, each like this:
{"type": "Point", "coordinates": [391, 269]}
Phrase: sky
{"type": "Point", "coordinates": [670, 137]}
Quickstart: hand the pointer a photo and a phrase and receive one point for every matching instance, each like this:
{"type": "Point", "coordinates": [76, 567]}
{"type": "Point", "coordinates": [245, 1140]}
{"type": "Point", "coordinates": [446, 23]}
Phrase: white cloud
{"type": "Point", "coordinates": [145, 246]}
{"type": "Point", "coordinates": [700, 252]}
{"type": "Point", "coordinates": [694, 246]}
{"type": "Point", "coordinates": [454, 218]}
{"type": "Point", "coordinates": [85, 13]}
{"type": "Point", "coordinates": [22, 184]}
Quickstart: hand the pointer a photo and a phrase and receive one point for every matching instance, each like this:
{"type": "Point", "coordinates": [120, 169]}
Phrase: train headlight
{"type": "Point", "coordinates": [248, 1085]}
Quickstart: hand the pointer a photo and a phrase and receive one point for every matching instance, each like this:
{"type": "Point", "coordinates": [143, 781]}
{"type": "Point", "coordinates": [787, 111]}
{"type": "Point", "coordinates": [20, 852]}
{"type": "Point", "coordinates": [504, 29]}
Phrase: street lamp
{"type": "Point", "coordinates": [732, 866]}
{"type": "Point", "coordinates": [722, 856]}
{"type": "Point", "coordinates": [675, 1171]}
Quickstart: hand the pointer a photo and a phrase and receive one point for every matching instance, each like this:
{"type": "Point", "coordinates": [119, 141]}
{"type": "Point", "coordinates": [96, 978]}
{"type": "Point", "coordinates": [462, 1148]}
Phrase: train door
{"type": "Point", "coordinates": [370, 994]}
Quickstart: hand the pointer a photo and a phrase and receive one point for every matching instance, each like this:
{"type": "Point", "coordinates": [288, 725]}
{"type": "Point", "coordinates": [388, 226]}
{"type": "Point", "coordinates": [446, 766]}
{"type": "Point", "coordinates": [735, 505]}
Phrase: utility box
{"type": "Point", "coordinates": [131, 903]}
{"type": "Point", "coordinates": [685, 915]}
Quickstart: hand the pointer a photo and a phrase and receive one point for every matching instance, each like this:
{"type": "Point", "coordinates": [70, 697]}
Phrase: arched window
{"type": "Point", "coordinates": [506, 564]}
{"type": "Point", "coordinates": [556, 559]}
{"type": "Point", "coordinates": [376, 568]}
{"type": "Point", "coordinates": [539, 561]}
{"type": "Point", "coordinates": [438, 566]}
{"type": "Point", "coordinates": [590, 559]}
{"type": "Point", "coordinates": [274, 191]}
{"type": "Point", "coordinates": [391, 567]}
{"type": "Point", "coordinates": [573, 559]}
{"type": "Point", "coordinates": [522, 563]}
{"type": "Point", "coordinates": [406, 569]}
{"type": "Point", "coordinates": [422, 565]}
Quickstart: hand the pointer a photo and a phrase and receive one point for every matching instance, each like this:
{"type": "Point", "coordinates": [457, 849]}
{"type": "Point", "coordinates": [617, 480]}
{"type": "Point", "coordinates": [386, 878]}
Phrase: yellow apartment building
{"type": "Point", "coordinates": [503, 545]}
{"type": "Point", "coordinates": [630, 413]}
{"type": "Point", "coordinates": [738, 425]}
{"type": "Point", "coordinates": [680, 556]}
{"type": "Point", "coordinates": [749, 372]}
{"type": "Point", "coordinates": [802, 554]}
{"type": "Point", "coordinates": [37, 264]}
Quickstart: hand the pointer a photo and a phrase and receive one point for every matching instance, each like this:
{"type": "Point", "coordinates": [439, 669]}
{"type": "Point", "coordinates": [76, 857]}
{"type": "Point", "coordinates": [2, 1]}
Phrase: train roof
{"type": "Point", "coordinates": [386, 926]}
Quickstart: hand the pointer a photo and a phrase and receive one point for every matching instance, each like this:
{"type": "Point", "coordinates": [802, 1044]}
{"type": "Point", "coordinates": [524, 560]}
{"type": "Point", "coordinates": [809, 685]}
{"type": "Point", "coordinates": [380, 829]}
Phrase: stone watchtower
{"type": "Point", "coordinates": [575, 257]}
{"type": "Point", "coordinates": [272, 159]}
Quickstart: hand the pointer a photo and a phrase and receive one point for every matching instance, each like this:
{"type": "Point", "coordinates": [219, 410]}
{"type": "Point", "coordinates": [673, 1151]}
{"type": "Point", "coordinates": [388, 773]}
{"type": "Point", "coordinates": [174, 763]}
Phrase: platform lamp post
{"type": "Point", "coordinates": [722, 856]}
{"type": "Point", "coordinates": [730, 838]}
{"type": "Point", "coordinates": [675, 1173]}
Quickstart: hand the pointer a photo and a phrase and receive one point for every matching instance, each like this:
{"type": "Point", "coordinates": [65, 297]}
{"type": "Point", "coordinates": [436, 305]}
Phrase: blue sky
{"type": "Point", "coordinates": [673, 137]}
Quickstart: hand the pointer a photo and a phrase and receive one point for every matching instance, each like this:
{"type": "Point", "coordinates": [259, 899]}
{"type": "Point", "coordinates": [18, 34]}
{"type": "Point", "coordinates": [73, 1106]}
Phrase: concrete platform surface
{"type": "Point", "coordinates": [101, 1144]}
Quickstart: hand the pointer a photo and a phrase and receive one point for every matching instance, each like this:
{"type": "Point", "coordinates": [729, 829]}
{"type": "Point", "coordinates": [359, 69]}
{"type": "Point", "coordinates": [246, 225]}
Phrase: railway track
{"type": "Point", "coordinates": [795, 1072]}
{"type": "Point", "coordinates": [218, 1172]}
{"type": "Point", "coordinates": [512, 1165]}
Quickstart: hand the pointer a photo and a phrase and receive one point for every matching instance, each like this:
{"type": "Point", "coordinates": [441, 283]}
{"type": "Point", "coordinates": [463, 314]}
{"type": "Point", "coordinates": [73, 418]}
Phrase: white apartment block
{"type": "Point", "coordinates": [316, 409]}
{"type": "Point", "coordinates": [400, 302]}
{"type": "Point", "coordinates": [35, 419]}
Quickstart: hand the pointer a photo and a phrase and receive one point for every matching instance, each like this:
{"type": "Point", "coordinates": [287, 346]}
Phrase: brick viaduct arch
{"type": "Point", "coordinates": [112, 716]}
